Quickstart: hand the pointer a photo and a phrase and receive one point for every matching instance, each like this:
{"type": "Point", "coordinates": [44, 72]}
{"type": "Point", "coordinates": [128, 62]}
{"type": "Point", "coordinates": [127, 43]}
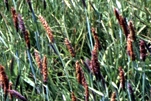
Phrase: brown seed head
{"type": "Point", "coordinates": [80, 75]}
{"type": "Point", "coordinates": [44, 69]}
{"type": "Point", "coordinates": [113, 97]}
{"type": "Point", "coordinates": [96, 38]}
{"type": "Point", "coordinates": [69, 46]}
{"type": "Point", "coordinates": [130, 47]}
{"type": "Point", "coordinates": [143, 50]}
{"type": "Point", "coordinates": [73, 98]}
{"type": "Point", "coordinates": [4, 82]}
{"type": "Point", "coordinates": [94, 63]}
{"type": "Point", "coordinates": [122, 22]}
{"type": "Point", "coordinates": [132, 31]}
{"type": "Point", "coordinates": [21, 24]}
{"type": "Point", "coordinates": [15, 19]}
{"type": "Point", "coordinates": [122, 78]}
{"type": "Point", "coordinates": [47, 28]}
{"type": "Point", "coordinates": [86, 92]}
{"type": "Point", "coordinates": [37, 58]}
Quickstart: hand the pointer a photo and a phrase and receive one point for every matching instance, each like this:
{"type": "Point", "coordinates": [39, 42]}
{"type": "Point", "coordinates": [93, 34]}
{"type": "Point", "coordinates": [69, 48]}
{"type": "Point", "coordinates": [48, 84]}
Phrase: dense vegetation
{"type": "Point", "coordinates": [68, 50]}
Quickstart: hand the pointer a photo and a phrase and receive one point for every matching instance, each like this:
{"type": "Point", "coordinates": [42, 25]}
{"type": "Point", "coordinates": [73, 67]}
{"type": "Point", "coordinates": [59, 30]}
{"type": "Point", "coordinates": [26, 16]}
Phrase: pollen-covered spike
{"type": "Point", "coordinates": [96, 38]}
{"type": "Point", "coordinates": [44, 69]}
{"type": "Point", "coordinates": [21, 24]}
{"type": "Point", "coordinates": [38, 59]}
{"type": "Point", "coordinates": [113, 97]}
{"type": "Point", "coordinates": [73, 98]}
{"type": "Point", "coordinates": [15, 19]}
{"type": "Point", "coordinates": [130, 51]}
{"type": "Point", "coordinates": [69, 46]}
{"type": "Point", "coordinates": [132, 31]}
{"type": "Point", "coordinates": [122, 78]}
{"type": "Point", "coordinates": [4, 81]}
{"type": "Point", "coordinates": [143, 51]}
{"type": "Point", "coordinates": [86, 92]}
{"type": "Point", "coordinates": [47, 28]}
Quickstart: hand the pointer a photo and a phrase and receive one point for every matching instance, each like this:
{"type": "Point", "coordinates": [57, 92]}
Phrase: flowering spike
{"type": "Point", "coordinates": [47, 28]}
{"type": "Point", "coordinates": [69, 46]}
{"type": "Point", "coordinates": [143, 51]}
{"type": "Point", "coordinates": [44, 69]}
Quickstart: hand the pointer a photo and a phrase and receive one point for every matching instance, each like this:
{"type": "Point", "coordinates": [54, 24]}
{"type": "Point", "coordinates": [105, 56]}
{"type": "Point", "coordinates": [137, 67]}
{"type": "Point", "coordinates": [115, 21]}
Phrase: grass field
{"type": "Point", "coordinates": [75, 50]}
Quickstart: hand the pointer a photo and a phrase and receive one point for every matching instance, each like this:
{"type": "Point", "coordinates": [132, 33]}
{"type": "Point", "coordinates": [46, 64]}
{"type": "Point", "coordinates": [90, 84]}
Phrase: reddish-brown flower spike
{"type": "Point", "coordinates": [27, 40]}
{"type": "Point", "coordinates": [143, 51]}
{"type": "Point", "coordinates": [78, 72]}
{"type": "Point", "coordinates": [86, 92]}
{"type": "Point", "coordinates": [21, 24]}
{"type": "Point", "coordinates": [15, 19]}
{"type": "Point", "coordinates": [73, 98]}
{"type": "Point", "coordinates": [44, 69]}
{"type": "Point", "coordinates": [94, 63]}
{"type": "Point", "coordinates": [69, 46]}
{"type": "Point", "coordinates": [117, 14]}
{"type": "Point", "coordinates": [122, 78]}
{"type": "Point", "coordinates": [96, 38]}
{"type": "Point", "coordinates": [38, 59]}
{"type": "Point", "coordinates": [4, 82]}
{"type": "Point", "coordinates": [80, 75]}
{"type": "Point", "coordinates": [122, 22]}
{"type": "Point", "coordinates": [113, 97]}
{"type": "Point", "coordinates": [47, 28]}
{"type": "Point", "coordinates": [132, 31]}
{"type": "Point", "coordinates": [130, 51]}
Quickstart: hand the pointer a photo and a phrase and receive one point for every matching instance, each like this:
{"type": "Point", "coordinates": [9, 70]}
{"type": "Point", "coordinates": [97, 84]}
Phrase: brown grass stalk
{"type": "Point", "coordinates": [47, 28]}
{"type": "Point", "coordinates": [44, 69]}
{"type": "Point", "coordinates": [15, 18]}
{"type": "Point", "coordinates": [69, 46]}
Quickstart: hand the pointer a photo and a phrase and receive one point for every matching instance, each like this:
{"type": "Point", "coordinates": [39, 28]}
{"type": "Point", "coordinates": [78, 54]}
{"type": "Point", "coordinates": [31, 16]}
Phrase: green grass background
{"type": "Point", "coordinates": [70, 19]}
